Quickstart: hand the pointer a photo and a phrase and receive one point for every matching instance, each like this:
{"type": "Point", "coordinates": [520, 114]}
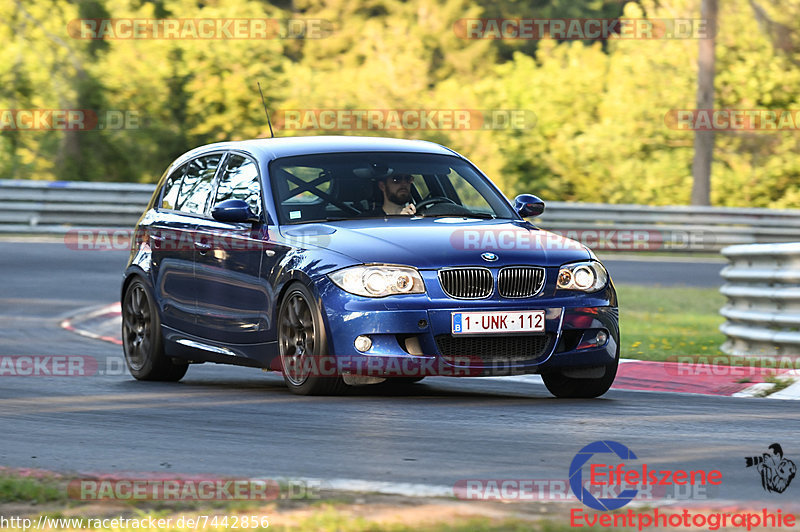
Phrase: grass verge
{"type": "Point", "coordinates": [31, 489]}
{"type": "Point", "coordinates": [662, 323]}
{"type": "Point", "coordinates": [31, 498]}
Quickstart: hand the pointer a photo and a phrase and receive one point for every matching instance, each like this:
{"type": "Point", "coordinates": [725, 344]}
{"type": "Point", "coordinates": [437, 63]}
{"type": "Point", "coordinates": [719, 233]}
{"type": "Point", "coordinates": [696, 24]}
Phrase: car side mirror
{"type": "Point", "coordinates": [234, 211]}
{"type": "Point", "coordinates": [528, 205]}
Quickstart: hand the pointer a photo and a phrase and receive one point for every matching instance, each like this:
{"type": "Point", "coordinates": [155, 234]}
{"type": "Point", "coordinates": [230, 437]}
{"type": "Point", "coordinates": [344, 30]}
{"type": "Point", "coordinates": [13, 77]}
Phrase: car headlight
{"type": "Point", "coordinates": [379, 280]}
{"type": "Point", "coordinates": [583, 276]}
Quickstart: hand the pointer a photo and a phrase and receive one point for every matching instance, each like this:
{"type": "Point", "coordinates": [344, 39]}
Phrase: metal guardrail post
{"type": "Point", "coordinates": [762, 284]}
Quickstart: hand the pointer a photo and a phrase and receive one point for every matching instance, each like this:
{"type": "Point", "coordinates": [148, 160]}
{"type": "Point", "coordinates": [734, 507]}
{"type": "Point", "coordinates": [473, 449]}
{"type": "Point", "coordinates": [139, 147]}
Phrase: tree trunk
{"type": "Point", "coordinates": [704, 140]}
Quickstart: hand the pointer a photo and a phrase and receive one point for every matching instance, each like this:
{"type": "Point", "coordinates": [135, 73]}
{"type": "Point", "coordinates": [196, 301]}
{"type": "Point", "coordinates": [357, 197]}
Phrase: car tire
{"type": "Point", "coordinates": [142, 340]}
{"type": "Point", "coordinates": [572, 388]}
{"type": "Point", "coordinates": [300, 323]}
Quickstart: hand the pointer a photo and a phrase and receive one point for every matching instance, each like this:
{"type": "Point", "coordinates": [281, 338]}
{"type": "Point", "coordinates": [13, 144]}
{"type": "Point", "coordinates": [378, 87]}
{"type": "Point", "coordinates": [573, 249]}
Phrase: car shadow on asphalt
{"type": "Point", "coordinates": [431, 388]}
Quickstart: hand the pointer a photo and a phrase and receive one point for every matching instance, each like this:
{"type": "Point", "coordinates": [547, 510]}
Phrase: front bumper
{"type": "Point", "coordinates": [411, 334]}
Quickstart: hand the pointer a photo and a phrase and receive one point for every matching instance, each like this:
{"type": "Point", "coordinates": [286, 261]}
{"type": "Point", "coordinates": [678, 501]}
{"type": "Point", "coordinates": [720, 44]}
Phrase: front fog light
{"type": "Point", "coordinates": [601, 338]}
{"type": "Point", "coordinates": [363, 343]}
{"type": "Point", "coordinates": [592, 339]}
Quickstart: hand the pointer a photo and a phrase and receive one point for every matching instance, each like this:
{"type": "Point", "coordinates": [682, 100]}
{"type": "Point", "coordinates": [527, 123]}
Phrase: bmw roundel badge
{"type": "Point", "coordinates": [491, 257]}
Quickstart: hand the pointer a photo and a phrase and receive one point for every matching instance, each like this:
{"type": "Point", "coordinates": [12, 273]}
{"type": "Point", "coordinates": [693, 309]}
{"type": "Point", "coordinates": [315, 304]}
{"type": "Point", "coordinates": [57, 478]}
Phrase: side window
{"type": "Point", "coordinates": [466, 193]}
{"type": "Point", "coordinates": [240, 181]}
{"type": "Point", "coordinates": [197, 184]}
{"type": "Point", "coordinates": [171, 187]}
{"type": "Point", "coordinates": [421, 186]}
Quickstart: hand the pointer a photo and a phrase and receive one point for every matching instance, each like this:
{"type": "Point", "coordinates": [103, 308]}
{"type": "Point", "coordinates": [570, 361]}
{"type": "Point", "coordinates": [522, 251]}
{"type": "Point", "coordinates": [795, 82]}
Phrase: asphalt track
{"type": "Point", "coordinates": [242, 422]}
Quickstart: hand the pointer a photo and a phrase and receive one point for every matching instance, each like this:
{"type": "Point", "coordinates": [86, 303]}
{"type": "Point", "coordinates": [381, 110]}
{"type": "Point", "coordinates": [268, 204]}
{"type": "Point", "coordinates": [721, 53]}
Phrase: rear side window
{"type": "Point", "coordinates": [240, 181]}
{"type": "Point", "coordinates": [197, 184]}
{"type": "Point", "coordinates": [171, 187]}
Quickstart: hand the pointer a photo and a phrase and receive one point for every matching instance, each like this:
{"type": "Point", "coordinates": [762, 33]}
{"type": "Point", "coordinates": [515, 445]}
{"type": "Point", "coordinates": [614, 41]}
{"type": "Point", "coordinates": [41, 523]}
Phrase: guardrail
{"type": "Point", "coordinates": [762, 284]}
{"type": "Point", "coordinates": [56, 207]}
{"type": "Point", "coordinates": [671, 228]}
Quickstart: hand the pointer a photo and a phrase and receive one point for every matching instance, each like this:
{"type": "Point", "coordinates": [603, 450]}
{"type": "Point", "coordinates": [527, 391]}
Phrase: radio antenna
{"type": "Point", "coordinates": [272, 135]}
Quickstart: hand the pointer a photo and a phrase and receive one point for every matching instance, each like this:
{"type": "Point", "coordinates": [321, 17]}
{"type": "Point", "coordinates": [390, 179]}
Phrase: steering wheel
{"type": "Point", "coordinates": [433, 201]}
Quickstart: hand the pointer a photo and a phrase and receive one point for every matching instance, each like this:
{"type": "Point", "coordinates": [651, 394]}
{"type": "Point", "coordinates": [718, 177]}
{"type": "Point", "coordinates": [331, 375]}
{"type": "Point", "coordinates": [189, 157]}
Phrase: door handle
{"type": "Point", "coordinates": [203, 247]}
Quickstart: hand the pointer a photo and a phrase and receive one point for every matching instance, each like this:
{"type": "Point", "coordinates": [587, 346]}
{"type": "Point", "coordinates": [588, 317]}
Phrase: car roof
{"type": "Point", "coordinates": [269, 149]}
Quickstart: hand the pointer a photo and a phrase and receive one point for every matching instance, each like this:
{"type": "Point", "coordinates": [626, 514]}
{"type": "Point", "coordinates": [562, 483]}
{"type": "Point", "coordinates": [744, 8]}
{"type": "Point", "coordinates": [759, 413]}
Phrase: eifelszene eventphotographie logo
{"type": "Point", "coordinates": [607, 463]}
{"type": "Point", "coordinates": [776, 471]}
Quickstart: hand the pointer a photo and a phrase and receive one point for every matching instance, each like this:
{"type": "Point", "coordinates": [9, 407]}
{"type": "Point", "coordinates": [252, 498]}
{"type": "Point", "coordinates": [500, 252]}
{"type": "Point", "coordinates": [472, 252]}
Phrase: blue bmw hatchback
{"type": "Point", "coordinates": [350, 261]}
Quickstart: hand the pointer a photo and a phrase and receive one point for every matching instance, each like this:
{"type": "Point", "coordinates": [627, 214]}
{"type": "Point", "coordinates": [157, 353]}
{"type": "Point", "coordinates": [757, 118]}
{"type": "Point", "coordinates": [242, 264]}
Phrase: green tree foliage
{"type": "Point", "coordinates": [758, 68]}
{"type": "Point", "coordinates": [600, 133]}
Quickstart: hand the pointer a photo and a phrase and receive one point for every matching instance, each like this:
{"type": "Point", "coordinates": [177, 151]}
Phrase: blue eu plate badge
{"type": "Point", "coordinates": [457, 322]}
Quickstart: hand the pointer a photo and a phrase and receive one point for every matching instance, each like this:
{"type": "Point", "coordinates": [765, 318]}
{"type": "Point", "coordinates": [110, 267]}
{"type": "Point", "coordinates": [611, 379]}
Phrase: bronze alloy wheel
{"type": "Point", "coordinates": [297, 338]}
{"type": "Point", "coordinates": [141, 337]}
{"type": "Point", "coordinates": [303, 346]}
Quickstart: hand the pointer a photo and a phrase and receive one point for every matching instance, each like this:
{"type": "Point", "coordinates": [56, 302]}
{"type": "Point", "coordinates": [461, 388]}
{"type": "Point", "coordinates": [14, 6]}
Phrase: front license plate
{"type": "Point", "coordinates": [498, 322]}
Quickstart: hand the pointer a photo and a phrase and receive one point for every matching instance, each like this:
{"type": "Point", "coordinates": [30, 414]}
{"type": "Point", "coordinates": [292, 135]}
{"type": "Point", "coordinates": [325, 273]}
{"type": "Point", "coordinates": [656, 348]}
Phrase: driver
{"type": "Point", "coordinates": [396, 191]}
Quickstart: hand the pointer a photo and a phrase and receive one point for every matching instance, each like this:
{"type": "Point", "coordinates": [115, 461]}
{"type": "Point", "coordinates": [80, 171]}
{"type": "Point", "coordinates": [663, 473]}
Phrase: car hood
{"type": "Point", "coordinates": [432, 243]}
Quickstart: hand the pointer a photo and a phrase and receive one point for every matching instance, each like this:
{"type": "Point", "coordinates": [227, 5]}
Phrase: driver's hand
{"type": "Point", "coordinates": [409, 209]}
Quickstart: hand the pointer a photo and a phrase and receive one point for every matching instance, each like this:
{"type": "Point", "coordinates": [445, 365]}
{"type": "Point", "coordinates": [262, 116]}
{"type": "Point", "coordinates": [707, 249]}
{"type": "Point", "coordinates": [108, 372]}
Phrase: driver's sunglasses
{"type": "Point", "coordinates": [402, 179]}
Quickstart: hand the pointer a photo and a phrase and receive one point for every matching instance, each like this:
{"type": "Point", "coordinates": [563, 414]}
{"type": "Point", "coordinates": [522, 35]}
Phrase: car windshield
{"type": "Point", "coordinates": [341, 186]}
